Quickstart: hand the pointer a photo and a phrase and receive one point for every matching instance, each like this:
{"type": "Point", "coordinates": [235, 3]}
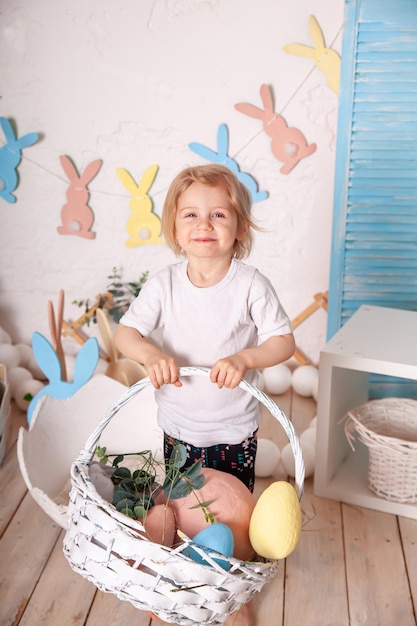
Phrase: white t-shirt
{"type": "Point", "coordinates": [200, 326]}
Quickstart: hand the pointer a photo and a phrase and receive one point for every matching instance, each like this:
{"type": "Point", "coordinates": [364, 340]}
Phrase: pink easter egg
{"type": "Point", "coordinates": [159, 524]}
{"type": "Point", "coordinates": [232, 504]}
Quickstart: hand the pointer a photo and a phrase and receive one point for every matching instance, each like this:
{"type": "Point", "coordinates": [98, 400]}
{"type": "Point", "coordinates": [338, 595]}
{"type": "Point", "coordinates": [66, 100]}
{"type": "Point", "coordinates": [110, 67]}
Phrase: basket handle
{"type": "Point", "coordinates": [87, 453]}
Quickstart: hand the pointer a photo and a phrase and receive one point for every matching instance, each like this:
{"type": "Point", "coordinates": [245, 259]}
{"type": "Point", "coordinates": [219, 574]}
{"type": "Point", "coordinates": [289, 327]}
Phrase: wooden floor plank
{"type": "Point", "coordinates": [408, 531]}
{"type": "Point", "coordinates": [377, 580]}
{"type": "Point", "coordinates": [61, 596]}
{"type": "Point", "coordinates": [24, 549]}
{"type": "Point", "coordinates": [315, 590]}
{"type": "Point", "coordinates": [108, 609]}
{"type": "Point", "coordinates": [12, 489]}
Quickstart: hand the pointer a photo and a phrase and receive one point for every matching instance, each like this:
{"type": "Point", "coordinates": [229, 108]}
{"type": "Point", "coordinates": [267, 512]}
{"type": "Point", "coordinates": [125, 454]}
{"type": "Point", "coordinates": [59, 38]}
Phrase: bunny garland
{"type": "Point", "coordinates": [143, 226]}
{"type": "Point", "coordinates": [288, 144]}
{"type": "Point", "coordinates": [10, 157]}
{"type": "Point", "coordinates": [76, 215]}
{"type": "Point", "coordinates": [327, 60]}
{"type": "Point", "coordinates": [222, 157]}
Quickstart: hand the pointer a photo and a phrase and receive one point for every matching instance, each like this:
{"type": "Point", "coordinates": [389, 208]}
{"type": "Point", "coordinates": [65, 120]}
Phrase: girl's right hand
{"type": "Point", "coordinates": [162, 370]}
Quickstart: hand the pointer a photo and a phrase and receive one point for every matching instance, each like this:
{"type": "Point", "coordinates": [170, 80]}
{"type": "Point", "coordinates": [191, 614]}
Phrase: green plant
{"type": "Point", "coordinates": [135, 493]}
{"type": "Point", "coordinates": [116, 304]}
{"type": "Point", "coordinates": [123, 292]}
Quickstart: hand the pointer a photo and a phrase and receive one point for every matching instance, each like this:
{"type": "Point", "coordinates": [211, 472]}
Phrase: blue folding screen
{"type": "Point", "coordinates": [374, 241]}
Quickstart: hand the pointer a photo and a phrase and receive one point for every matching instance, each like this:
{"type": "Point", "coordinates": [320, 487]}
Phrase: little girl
{"type": "Point", "coordinates": [213, 311]}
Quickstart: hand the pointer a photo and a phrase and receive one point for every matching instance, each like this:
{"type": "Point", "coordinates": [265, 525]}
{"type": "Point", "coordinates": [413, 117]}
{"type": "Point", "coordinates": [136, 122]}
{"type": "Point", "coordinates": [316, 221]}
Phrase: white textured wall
{"type": "Point", "coordinates": [133, 83]}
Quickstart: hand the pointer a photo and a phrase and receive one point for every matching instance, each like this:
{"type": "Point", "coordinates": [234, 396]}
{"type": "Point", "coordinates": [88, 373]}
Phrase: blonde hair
{"type": "Point", "coordinates": [239, 197]}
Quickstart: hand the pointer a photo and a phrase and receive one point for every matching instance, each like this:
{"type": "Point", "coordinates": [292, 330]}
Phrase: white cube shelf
{"type": "Point", "coordinates": [375, 340]}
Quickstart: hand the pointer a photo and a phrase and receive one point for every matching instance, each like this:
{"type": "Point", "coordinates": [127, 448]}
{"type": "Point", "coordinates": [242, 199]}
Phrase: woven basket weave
{"type": "Point", "coordinates": [104, 546]}
{"type": "Point", "coordinates": [388, 427]}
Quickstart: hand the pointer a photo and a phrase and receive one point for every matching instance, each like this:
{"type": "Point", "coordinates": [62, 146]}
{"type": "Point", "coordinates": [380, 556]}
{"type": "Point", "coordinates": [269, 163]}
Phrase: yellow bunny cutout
{"type": "Point", "coordinates": [327, 60]}
{"type": "Point", "coordinates": [143, 226]}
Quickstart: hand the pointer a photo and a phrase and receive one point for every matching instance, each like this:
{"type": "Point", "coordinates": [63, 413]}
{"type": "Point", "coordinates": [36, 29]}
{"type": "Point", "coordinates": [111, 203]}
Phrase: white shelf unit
{"type": "Point", "coordinates": [375, 340]}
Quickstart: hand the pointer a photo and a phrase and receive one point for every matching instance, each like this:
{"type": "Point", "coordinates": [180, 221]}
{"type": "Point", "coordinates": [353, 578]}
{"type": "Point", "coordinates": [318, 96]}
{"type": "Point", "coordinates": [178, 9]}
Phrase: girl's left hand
{"type": "Point", "coordinates": [228, 372]}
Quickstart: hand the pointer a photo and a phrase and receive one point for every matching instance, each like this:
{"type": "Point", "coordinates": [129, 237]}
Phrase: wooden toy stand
{"type": "Point", "coordinates": [320, 301]}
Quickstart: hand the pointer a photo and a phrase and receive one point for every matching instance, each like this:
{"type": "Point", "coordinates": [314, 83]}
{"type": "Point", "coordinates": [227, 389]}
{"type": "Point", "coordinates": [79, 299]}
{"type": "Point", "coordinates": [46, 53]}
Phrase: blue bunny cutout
{"type": "Point", "coordinates": [47, 359]}
{"type": "Point", "coordinates": [222, 157]}
{"type": "Point", "coordinates": [10, 157]}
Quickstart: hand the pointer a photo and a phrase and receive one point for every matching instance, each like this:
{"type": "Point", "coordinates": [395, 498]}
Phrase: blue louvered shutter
{"type": "Point", "coordinates": [374, 245]}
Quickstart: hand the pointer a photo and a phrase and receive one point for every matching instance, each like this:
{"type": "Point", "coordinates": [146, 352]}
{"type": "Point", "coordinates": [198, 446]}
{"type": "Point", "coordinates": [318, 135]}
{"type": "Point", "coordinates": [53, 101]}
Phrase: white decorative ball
{"type": "Point", "coordinates": [313, 423]}
{"type": "Point", "coordinates": [35, 369]}
{"type": "Point", "coordinates": [287, 460]}
{"type": "Point", "coordinates": [305, 379]}
{"type": "Point", "coordinates": [30, 386]}
{"type": "Point", "coordinates": [315, 390]}
{"type": "Point", "coordinates": [15, 376]}
{"type": "Point", "coordinates": [4, 336]}
{"type": "Point", "coordinates": [309, 456]}
{"type": "Point", "coordinates": [277, 379]}
{"type": "Point", "coordinates": [267, 458]}
{"type": "Point", "coordinates": [261, 381]}
{"type": "Point", "coordinates": [25, 352]}
{"type": "Point", "coordinates": [309, 436]}
{"type": "Point", "coordinates": [9, 355]}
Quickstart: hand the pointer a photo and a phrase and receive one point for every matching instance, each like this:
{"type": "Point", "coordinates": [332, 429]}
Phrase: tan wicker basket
{"type": "Point", "coordinates": [388, 427]}
{"type": "Point", "coordinates": [104, 546]}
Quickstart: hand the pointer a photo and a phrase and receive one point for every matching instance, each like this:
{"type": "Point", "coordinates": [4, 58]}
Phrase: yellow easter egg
{"type": "Point", "coordinates": [275, 524]}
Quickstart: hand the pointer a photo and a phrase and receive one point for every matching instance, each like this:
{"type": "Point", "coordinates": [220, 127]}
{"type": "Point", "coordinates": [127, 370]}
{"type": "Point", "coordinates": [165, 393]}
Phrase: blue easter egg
{"type": "Point", "coordinates": [218, 538]}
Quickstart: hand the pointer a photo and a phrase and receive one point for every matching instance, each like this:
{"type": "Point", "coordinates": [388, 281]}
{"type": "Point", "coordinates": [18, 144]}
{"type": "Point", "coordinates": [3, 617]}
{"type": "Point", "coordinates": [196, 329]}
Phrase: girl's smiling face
{"type": "Point", "coordinates": [206, 225]}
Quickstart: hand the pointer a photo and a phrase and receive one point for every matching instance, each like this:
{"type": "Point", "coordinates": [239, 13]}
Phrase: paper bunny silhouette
{"type": "Point", "coordinates": [222, 157]}
{"type": "Point", "coordinates": [327, 60]}
{"type": "Point", "coordinates": [143, 226]}
{"type": "Point", "coordinates": [48, 360]}
{"type": "Point", "coordinates": [76, 215]}
{"type": "Point", "coordinates": [10, 157]}
{"type": "Point", "coordinates": [126, 371]}
{"type": "Point", "coordinates": [288, 144]}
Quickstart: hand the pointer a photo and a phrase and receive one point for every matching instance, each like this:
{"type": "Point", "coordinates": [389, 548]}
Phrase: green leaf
{"type": "Point", "coordinates": [139, 511]}
{"type": "Point", "coordinates": [123, 506]}
{"type": "Point", "coordinates": [198, 482]}
{"type": "Point", "coordinates": [194, 470]}
{"type": "Point", "coordinates": [118, 459]}
{"type": "Point", "coordinates": [121, 494]}
{"type": "Point", "coordinates": [178, 455]}
{"type": "Point", "coordinates": [121, 473]}
{"type": "Point", "coordinates": [202, 504]}
{"type": "Point", "coordinates": [180, 490]}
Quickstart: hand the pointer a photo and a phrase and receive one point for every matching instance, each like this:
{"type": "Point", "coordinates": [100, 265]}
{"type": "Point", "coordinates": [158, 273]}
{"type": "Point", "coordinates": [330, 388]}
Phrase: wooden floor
{"type": "Point", "coordinates": [352, 566]}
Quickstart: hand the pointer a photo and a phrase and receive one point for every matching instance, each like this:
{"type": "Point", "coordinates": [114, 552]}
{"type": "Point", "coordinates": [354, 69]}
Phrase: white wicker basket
{"type": "Point", "coordinates": [388, 427]}
{"type": "Point", "coordinates": [103, 545]}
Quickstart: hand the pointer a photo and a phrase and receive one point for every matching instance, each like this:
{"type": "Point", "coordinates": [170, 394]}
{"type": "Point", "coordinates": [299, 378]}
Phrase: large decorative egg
{"type": "Point", "coordinates": [231, 503]}
{"type": "Point", "coordinates": [159, 524]}
{"type": "Point", "coordinates": [275, 526]}
{"type": "Point", "coordinates": [216, 537]}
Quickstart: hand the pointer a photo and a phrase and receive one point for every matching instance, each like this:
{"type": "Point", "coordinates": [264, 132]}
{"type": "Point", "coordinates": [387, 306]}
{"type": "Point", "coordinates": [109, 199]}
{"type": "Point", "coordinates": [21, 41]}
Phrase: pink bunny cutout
{"type": "Point", "coordinates": [76, 215]}
{"type": "Point", "coordinates": [288, 144]}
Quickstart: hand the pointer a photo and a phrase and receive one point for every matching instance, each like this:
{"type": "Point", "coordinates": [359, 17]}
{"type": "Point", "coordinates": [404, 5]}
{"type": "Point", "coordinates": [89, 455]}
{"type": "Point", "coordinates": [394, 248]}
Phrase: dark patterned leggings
{"type": "Point", "coordinates": [237, 459]}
